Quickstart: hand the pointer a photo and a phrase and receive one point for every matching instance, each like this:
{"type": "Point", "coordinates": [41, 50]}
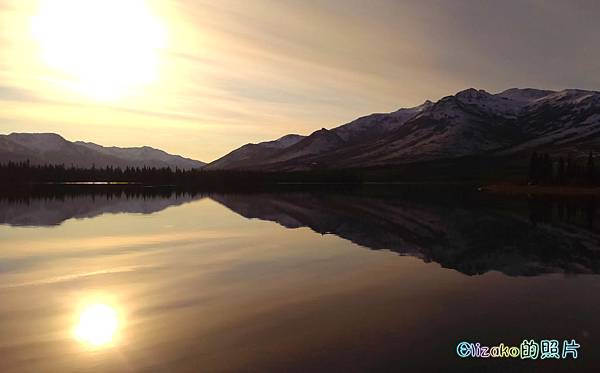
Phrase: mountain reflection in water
{"type": "Point", "coordinates": [468, 232]}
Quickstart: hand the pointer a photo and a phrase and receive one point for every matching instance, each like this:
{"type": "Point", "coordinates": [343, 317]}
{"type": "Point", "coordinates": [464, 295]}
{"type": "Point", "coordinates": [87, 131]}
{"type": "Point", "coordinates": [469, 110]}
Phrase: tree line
{"type": "Point", "coordinates": [25, 172]}
{"type": "Point", "coordinates": [15, 173]}
{"type": "Point", "coordinates": [543, 169]}
{"type": "Point", "coordinates": [558, 170]}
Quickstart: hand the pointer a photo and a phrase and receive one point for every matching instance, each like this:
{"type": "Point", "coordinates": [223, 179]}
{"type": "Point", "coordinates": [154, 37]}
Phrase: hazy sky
{"type": "Point", "coordinates": [202, 77]}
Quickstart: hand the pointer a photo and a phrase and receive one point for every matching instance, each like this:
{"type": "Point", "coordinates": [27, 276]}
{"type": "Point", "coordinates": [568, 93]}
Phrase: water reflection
{"type": "Point", "coordinates": [54, 206]}
{"type": "Point", "coordinates": [473, 234]}
{"type": "Point", "coordinates": [98, 324]}
{"type": "Point", "coordinates": [469, 232]}
{"type": "Point", "coordinates": [202, 287]}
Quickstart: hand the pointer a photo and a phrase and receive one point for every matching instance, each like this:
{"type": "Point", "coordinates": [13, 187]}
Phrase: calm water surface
{"type": "Point", "coordinates": [292, 282]}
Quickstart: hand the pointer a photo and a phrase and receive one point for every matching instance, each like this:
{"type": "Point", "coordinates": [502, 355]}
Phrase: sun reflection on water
{"type": "Point", "coordinates": [98, 325]}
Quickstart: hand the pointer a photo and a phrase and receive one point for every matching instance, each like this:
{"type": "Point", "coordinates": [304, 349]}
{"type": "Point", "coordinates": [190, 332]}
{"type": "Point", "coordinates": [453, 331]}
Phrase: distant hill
{"type": "Point", "coordinates": [470, 123]}
{"type": "Point", "coordinates": [50, 148]}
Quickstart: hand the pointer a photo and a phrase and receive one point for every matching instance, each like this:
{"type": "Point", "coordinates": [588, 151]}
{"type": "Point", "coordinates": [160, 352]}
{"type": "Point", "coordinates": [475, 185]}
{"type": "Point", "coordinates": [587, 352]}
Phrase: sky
{"type": "Point", "coordinates": [202, 77]}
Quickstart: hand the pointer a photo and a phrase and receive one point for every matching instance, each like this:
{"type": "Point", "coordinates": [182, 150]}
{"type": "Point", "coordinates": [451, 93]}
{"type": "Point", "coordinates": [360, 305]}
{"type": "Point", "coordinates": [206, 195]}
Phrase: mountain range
{"type": "Point", "coordinates": [510, 124]}
{"type": "Point", "coordinates": [50, 148]}
{"type": "Point", "coordinates": [470, 123]}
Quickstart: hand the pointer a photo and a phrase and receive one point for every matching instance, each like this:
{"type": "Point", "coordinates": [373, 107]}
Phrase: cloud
{"type": "Point", "coordinates": [8, 93]}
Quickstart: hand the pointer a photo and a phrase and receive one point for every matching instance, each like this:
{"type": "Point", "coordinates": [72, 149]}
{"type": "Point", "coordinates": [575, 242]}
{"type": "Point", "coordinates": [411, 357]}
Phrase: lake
{"type": "Point", "coordinates": [302, 281]}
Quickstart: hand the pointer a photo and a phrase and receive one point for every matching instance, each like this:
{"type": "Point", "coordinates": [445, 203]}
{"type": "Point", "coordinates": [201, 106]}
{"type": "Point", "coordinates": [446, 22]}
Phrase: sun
{"type": "Point", "coordinates": [98, 325]}
{"type": "Point", "coordinates": [104, 49]}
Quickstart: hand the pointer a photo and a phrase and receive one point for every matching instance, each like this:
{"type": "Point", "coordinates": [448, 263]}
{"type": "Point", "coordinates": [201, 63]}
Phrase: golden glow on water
{"type": "Point", "coordinates": [98, 325]}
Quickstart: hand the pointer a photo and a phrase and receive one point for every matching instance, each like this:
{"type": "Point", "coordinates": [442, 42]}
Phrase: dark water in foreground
{"type": "Point", "coordinates": [293, 282]}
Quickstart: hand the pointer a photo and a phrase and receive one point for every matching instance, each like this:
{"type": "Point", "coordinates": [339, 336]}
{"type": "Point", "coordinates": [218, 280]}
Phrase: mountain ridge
{"type": "Point", "coordinates": [51, 148]}
{"type": "Point", "coordinates": [471, 122]}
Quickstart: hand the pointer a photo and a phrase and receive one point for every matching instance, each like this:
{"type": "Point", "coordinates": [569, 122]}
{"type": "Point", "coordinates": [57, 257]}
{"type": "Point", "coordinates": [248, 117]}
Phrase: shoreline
{"type": "Point", "coordinates": [515, 189]}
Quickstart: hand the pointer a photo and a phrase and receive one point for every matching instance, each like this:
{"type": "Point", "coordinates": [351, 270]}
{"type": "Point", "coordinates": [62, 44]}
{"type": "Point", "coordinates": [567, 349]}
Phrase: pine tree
{"type": "Point", "coordinates": [590, 169]}
{"type": "Point", "coordinates": [546, 168]}
{"type": "Point", "coordinates": [534, 168]}
{"type": "Point", "coordinates": [561, 171]}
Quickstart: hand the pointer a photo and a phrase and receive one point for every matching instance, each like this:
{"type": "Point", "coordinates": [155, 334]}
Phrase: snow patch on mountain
{"type": "Point", "coordinates": [283, 142]}
{"type": "Point", "coordinates": [145, 155]}
{"type": "Point", "coordinates": [41, 142]}
{"type": "Point", "coordinates": [525, 95]}
{"type": "Point", "coordinates": [378, 124]}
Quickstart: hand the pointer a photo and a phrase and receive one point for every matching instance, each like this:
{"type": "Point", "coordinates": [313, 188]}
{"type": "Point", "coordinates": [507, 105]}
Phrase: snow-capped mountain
{"type": "Point", "coordinates": [50, 148]}
{"type": "Point", "coordinates": [471, 122]}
